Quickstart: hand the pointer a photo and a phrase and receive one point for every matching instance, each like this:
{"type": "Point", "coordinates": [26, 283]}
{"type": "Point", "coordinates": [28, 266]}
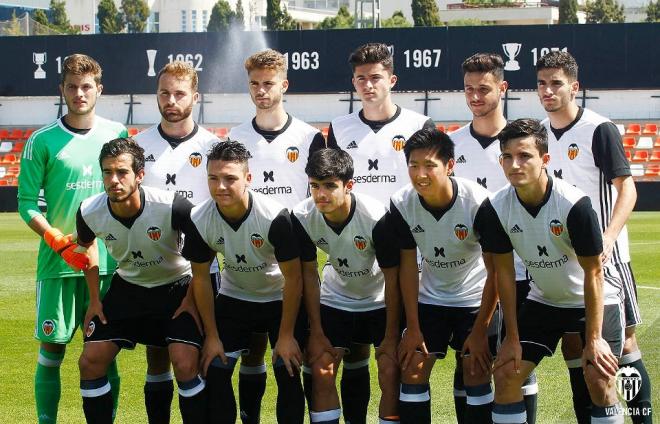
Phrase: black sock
{"type": "Point", "coordinates": [221, 404]}
{"type": "Point", "coordinates": [158, 394]}
{"type": "Point", "coordinates": [530, 391]}
{"type": "Point", "coordinates": [97, 400]}
{"type": "Point", "coordinates": [581, 398]}
{"type": "Point", "coordinates": [415, 404]}
{"type": "Point", "coordinates": [192, 400]}
{"type": "Point", "coordinates": [640, 405]}
{"type": "Point", "coordinates": [251, 389]}
{"type": "Point", "coordinates": [307, 385]}
{"type": "Point", "coordinates": [479, 404]}
{"type": "Point", "coordinates": [290, 397]}
{"type": "Point", "coordinates": [460, 397]}
{"type": "Point", "coordinates": [355, 391]}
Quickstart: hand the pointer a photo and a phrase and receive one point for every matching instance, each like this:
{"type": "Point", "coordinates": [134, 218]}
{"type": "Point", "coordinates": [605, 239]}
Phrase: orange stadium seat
{"type": "Point", "coordinates": [221, 132]}
{"type": "Point", "coordinates": [28, 133]}
{"type": "Point", "coordinates": [657, 142]}
{"type": "Point", "coordinates": [4, 182]}
{"type": "Point", "coordinates": [650, 129]}
{"type": "Point", "coordinates": [640, 156]}
{"type": "Point", "coordinates": [9, 158]}
{"type": "Point", "coordinates": [440, 127]}
{"type": "Point", "coordinates": [4, 133]}
{"type": "Point", "coordinates": [452, 127]}
{"type": "Point", "coordinates": [652, 171]}
{"type": "Point", "coordinates": [133, 131]}
{"type": "Point", "coordinates": [628, 154]}
{"type": "Point", "coordinates": [16, 134]}
{"type": "Point", "coordinates": [628, 141]}
{"type": "Point", "coordinates": [644, 143]}
{"type": "Point", "coordinates": [655, 156]}
{"type": "Point", "coordinates": [13, 170]}
{"type": "Point", "coordinates": [18, 147]}
{"type": "Point", "coordinates": [634, 129]}
{"type": "Point", "coordinates": [325, 131]}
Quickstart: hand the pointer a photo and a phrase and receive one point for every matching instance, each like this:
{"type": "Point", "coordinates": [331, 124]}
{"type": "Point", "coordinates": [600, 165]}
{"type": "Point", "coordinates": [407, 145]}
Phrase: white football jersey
{"type": "Point", "coordinates": [148, 251]}
{"type": "Point", "coordinates": [453, 271]}
{"type": "Point", "coordinates": [278, 158]}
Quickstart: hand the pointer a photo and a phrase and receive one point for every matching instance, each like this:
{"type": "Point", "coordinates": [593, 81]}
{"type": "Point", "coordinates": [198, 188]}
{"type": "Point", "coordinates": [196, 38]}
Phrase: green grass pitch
{"type": "Point", "coordinates": [18, 348]}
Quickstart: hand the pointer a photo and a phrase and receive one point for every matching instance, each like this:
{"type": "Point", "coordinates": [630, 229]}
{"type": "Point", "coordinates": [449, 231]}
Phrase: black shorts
{"type": "Point", "coordinates": [237, 319]}
{"type": "Point", "coordinates": [343, 328]}
{"type": "Point", "coordinates": [444, 326]}
{"type": "Point", "coordinates": [137, 314]}
{"type": "Point", "coordinates": [522, 290]}
{"type": "Point", "coordinates": [541, 326]}
{"type": "Point", "coordinates": [630, 304]}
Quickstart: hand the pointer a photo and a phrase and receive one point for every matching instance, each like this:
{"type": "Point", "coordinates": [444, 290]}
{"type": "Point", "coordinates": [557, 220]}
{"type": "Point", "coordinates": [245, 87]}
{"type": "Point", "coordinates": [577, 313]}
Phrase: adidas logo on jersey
{"type": "Point", "coordinates": [461, 159]}
{"type": "Point", "coordinates": [221, 240]}
{"type": "Point", "coordinates": [352, 145]}
{"type": "Point", "coordinates": [418, 229]}
{"type": "Point", "coordinates": [515, 229]}
{"type": "Point", "coordinates": [321, 241]}
{"type": "Point", "coordinates": [110, 237]}
{"type": "Point", "coordinates": [150, 158]}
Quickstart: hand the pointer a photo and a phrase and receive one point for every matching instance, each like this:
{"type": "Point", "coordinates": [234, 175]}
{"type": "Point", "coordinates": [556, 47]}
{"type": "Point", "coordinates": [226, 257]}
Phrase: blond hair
{"type": "Point", "coordinates": [267, 59]}
{"type": "Point", "coordinates": [182, 71]}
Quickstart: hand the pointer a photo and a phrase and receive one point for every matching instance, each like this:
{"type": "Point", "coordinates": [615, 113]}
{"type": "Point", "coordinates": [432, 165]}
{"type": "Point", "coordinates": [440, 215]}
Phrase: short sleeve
{"type": "Point", "coordinates": [492, 237]}
{"type": "Point", "coordinates": [180, 212]}
{"type": "Point", "coordinates": [387, 250]}
{"type": "Point", "coordinates": [307, 247]}
{"type": "Point", "coordinates": [281, 236]}
{"type": "Point", "coordinates": [195, 248]}
{"type": "Point", "coordinates": [85, 234]}
{"type": "Point", "coordinates": [608, 152]}
{"type": "Point", "coordinates": [402, 233]}
{"type": "Point", "coordinates": [583, 229]}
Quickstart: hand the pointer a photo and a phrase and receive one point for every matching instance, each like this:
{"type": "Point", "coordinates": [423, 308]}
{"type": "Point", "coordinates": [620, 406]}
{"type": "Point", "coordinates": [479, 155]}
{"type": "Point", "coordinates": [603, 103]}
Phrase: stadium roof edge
{"type": "Point", "coordinates": [27, 4]}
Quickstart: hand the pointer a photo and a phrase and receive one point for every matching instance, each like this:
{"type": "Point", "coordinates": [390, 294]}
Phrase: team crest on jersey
{"type": "Point", "coordinates": [292, 154]}
{"type": "Point", "coordinates": [360, 242]}
{"type": "Point", "coordinates": [556, 227]}
{"type": "Point", "coordinates": [573, 151]}
{"type": "Point", "coordinates": [90, 329]}
{"type": "Point", "coordinates": [48, 327]}
{"type": "Point", "coordinates": [461, 231]}
{"type": "Point", "coordinates": [257, 240]}
{"type": "Point", "coordinates": [195, 159]}
{"type": "Point", "coordinates": [154, 233]}
{"type": "Point", "coordinates": [398, 142]}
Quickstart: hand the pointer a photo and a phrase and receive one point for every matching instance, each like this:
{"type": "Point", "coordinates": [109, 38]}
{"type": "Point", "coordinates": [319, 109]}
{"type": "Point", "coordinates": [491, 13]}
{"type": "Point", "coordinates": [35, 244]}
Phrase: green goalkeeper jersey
{"type": "Point", "coordinates": [66, 166]}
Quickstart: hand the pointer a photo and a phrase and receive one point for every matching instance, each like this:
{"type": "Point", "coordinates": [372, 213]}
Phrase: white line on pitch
{"type": "Point", "coordinates": [648, 287]}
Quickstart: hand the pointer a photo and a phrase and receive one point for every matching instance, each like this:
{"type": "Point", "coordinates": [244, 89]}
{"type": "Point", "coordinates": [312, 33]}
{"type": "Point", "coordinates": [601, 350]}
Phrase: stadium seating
{"type": "Point", "coordinates": [652, 171]}
{"type": "Point", "coordinates": [133, 131]}
{"type": "Point", "coordinates": [650, 129]}
{"type": "Point", "coordinates": [640, 156]}
{"type": "Point", "coordinates": [221, 132]}
{"type": "Point", "coordinates": [629, 141]}
{"type": "Point", "coordinates": [6, 146]}
{"type": "Point", "coordinates": [637, 170]}
{"type": "Point", "coordinates": [440, 127]}
{"type": "Point", "coordinates": [324, 131]}
{"type": "Point", "coordinates": [657, 142]}
{"type": "Point", "coordinates": [18, 147]}
{"type": "Point", "coordinates": [4, 133]}
{"type": "Point", "coordinates": [452, 127]}
{"type": "Point", "coordinates": [621, 128]}
{"type": "Point", "coordinates": [9, 158]}
{"type": "Point", "coordinates": [28, 133]}
{"type": "Point", "coordinates": [655, 156]}
{"type": "Point", "coordinates": [635, 129]}
{"type": "Point", "coordinates": [644, 143]}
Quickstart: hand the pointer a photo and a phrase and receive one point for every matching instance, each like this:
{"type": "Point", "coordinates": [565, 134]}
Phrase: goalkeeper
{"type": "Point", "coordinates": [61, 159]}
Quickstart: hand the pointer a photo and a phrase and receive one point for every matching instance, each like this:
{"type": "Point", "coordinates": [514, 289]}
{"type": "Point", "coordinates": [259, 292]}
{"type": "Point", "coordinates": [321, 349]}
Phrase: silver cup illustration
{"type": "Point", "coordinates": [511, 50]}
{"type": "Point", "coordinates": [151, 57]}
{"type": "Point", "coordinates": [39, 59]}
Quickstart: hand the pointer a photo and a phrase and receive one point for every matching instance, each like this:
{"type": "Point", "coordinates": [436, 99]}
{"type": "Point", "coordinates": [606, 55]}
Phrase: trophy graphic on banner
{"type": "Point", "coordinates": [39, 59]}
{"type": "Point", "coordinates": [151, 57]}
{"type": "Point", "coordinates": [511, 50]}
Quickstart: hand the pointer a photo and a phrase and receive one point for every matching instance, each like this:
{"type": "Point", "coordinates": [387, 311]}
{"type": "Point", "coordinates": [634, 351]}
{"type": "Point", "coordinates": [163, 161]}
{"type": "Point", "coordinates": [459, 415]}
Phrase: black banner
{"type": "Point", "coordinates": [612, 56]}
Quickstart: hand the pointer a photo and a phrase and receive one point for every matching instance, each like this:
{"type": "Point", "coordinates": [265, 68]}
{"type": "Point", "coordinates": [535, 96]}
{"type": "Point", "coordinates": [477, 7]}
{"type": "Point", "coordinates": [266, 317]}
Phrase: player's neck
{"type": "Point", "coordinates": [442, 197]}
{"type": "Point", "coordinates": [564, 117]}
{"type": "Point", "coordinates": [340, 215]}
{"type": "Point", "coordinates": [272, 119]}
{"type": "Point", "coordinates": [379, 112]}
{"type": "Point", "coordinates": [489, 125]}
{"type": "Point", "coordinates": [129, 207]}
{"type": "Point", "coordinates": [177, 129]}
{"type": "Point", "coordinates": [80, 122]}
{"type": "Point", "coordinates": [237, 211]}
{"type": "Point", "coordinates": [533, 194]}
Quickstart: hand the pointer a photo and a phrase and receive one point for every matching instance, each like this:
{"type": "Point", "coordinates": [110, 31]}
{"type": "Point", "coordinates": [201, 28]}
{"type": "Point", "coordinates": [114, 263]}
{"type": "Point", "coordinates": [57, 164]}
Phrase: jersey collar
{"type": "Point", "coordinates": [534, 210]}
{"type": "Point", "coordinates": [561, 131]}
{"type": "Point", "coordinates": [271, 135]}
{"type": "Point", "coordinates": [235, 225]}
{"type": "Point", "coordinates": [378, 125]}
{"type": "Point", "coordinates": [173, 141]}
{"type": "Point", "coordinates": [439, 213]}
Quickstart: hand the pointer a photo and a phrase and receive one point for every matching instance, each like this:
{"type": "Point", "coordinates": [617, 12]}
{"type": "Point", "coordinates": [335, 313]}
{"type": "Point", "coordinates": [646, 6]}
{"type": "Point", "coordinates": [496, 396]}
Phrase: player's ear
{"type": "Point", "coordinates": [285, 85]}
{"type": "Point", "coordinates": [349, 184]}
{"type": "Point", "coordinates": [393, 80]}
{"type": "Point", "coordinates": [450, 166]}
{"type": "Point", "coordinates": [139, 176]}
{"type": "Point", "coordinates": [195, 97]}
{"type": "Point", "coordinates": [546, 160]}
{"type": "Point", "coordinates": [99, 89]}
{"type": "Point", "coordinates": [504, 85]}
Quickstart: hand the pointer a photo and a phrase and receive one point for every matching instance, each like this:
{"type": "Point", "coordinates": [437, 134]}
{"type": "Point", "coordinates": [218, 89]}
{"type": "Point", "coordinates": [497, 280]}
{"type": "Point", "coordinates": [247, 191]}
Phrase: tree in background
{"type": "Point", "coordinates": [136, 13]}
{"type": "Point", "coordinates": [43, 27]}
{"type": "Point", "coordinates": [425, 13]}
{"type": "Point", "coordinates": [240, 15]}
{"type": "Point", "coordinates": [343, 20]}
{"type": "Point", "coordinates": [604, 12]}
{"type": "Point", "coordinates": [59, 20]}
{"type": "Point", "coordinates": [110, 20]}
{"type": "Point", "coordinates": [568, 12]}
{"type": "Point", "coordinates": [277, 17]}
{"type": "Point", "coordinates": [398, 20]}
{"type": "Point", "coordinates": [222, 17]}
{"type": "Point", "coordinates": [467, 22]}
{"type": "Point", "coordinates": [653, 12]}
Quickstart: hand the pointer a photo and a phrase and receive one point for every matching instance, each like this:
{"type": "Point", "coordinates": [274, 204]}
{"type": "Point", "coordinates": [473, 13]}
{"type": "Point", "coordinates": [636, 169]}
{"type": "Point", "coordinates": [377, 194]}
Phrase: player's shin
{"type": "Point", "coordinates": [47, 385]}
{"type": "Point", "coordinates": [97, 400]}
{"type": "Point", "coordinates": [158, 394]}
{"type": "Point", "coordinates": [192, 400]}
{"type": "Point", "coordinates": [221, 404]}
{"type": "Point", "coordinates": [290, 398]}
{"type": "Point", "coordinates": [355, 391]}
{"type": "Point", "coordinates": [415, 404]}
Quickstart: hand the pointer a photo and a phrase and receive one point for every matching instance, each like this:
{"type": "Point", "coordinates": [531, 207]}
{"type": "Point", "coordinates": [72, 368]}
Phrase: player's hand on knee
{"type": "Point", "coordinates": [477, 353]}
{"type": "Point", "coordinates": [510, 351]}
{"type": "Point", "coordinates": [318, 345]}
{"type": "Point", "coordinates": [188, 306]}
{"type": "Point", "coordinates": [411, 343]}
{"type": "Point", "coordinates": [388, 347]}
{"type": "Point", "coordinates": [212, 349]}
{"type": "Point", "coordinates": [598, 354]}
{"type": "Point", "coordinates": [288, 350]}
{"type": "Point", "coordinates": [95, 309]}
{"type": "Point", "coordinates": [73, 254]}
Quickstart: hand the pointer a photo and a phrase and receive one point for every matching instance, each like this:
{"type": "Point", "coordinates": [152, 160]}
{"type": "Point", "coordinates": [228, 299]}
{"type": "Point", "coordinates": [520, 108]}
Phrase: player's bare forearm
{"type": "Point", "coordinates": [623, 207]}
{"type": "Point", "coordinates": [39, 224]}
{"type": "Point", "coordinates": [92, 272]}
{"type": "Point", "coordinates": [593, 295]}
{"type": "Point", "coordinates": [291, 296]}
{"type": "Point", "coordinates": [506, 290]}
{"type": "Point", "coordinates": [312, 295]}
{"type": "Point", "coordinates": [409, 282]}
{"type": "Point", "coordinates": [392, 301]}
{"type": "Point", "coordinates": [203, 294]}
{"type": "Point", "coordinates": [489, 295]}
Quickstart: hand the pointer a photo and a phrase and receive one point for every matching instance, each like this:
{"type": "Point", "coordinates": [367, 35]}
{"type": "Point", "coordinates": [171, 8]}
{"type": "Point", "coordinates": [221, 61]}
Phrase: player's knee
{"type": "Point", "coordinates": [414, 373]}
{"type": "Point", "coordinates": [91, 365]}
{"type": "Point", "coordinates": [506, 378]}
{"type": "Point", "coordinates": [324, 371]}
{"type": "Point", "coordinates": [388, 372]}
{"type": "Point", "coordinates": [630, 344]}
{"type": "Point", "coordinates": [185, 363]}
{"type": "Point", "coordinates": [601, 388]}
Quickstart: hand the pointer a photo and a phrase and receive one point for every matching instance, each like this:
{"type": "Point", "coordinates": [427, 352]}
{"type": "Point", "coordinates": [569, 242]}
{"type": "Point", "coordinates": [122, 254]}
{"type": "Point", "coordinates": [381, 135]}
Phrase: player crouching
{"type": "Point", "coordinates": [147, 302]}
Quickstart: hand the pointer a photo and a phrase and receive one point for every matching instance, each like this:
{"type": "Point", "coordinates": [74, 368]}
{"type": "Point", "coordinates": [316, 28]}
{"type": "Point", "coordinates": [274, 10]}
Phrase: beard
{"type": "Point", "coordinates": [178, 116]}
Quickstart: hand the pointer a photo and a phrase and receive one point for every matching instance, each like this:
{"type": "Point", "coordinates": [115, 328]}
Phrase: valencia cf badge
{"type": "Point", "coordinates": [48, 327]}
{"type": "Point", "coordinates": [360, 242]}
{"type": "Point", "coordinates": [292, 154]}
{"type": "Point", "coordinates": [195, 159]}
{"type": "Point", "coordinates": [398, 142]}
{"type": "Point", "coordinates": [461, 231]}
{"type": "Point", "coordinates": [256, 240]}
{"type": "Point", "coordinates": [154, 233]}
{"type": "Point", "coordinates": [573, 151]}
{"type": "Point", "coordinates": [90, 329]}
{"type": "Point", "coordinates": [556, 227]}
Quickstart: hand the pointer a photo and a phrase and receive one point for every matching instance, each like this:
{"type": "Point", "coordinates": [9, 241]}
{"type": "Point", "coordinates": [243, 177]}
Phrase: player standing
{"type": "Point", "coordinates": [278, 144]}
{"type": "Point", "coordinates": [148, 301]}
{"type": "Point", "coordinates": [452, 300]}
{"type": "Point", "coordinates": [554, 229]}
{"type": "Point", "coordinates": [175, 159]}
{"type": "Point", "coordinates": [61, 158]}
{"type": "Point", "coordinates": [261, 283]}
{"type": "Point", "coordinates": [587, 152]}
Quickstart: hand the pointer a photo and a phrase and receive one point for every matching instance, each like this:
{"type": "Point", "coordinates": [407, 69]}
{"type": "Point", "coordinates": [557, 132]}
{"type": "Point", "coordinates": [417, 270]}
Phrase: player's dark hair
{"type": "Point", "coordinates": [523, 128]}
{"type": "Point", "coordinates": [559, 60]}
{"type": "Point", "coordinates": [330, 163]}
{"type": "Point", "coordinates": [485, 63]}
{"type": "Point", "coordinates": [372, 53]}
{"type": "Point", "coordinates": [229, 151]}
{"type": "Point", "coordinates": [81, 64]}
{"type": "Point", "coordinates": [123, 145]}
{"type": "Point", "coordinates": [433, 139]}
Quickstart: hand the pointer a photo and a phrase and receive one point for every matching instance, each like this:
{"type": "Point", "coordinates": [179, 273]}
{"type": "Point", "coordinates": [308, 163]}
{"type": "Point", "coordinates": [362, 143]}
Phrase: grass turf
{"type": "Point", "coordinates": [18, 348]}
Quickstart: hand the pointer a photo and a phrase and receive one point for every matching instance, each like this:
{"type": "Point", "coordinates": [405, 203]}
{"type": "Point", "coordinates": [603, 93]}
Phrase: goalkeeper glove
{"type": "Point", "coordinates": [72, 253]}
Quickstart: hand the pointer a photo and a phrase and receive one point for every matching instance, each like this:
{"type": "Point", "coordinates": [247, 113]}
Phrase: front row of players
{"type": "Point", "coordinates": [465, 234]}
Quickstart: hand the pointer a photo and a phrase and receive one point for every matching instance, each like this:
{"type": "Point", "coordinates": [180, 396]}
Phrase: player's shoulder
{"type": "Point", "coordinates": [367, 205]}
{"type": "Point", "coordinates": [109, 124]}
{"type": "Point", "coordinates": [94, 203]}
{"type": "Point", "coordinates": [592, 118]}
{"type": "Point", "coordinates": [205, 138]}
{"type": "Point", "coordinates": [461, 134]}
{"type": "Point", "coordinates": [305, 208]}
{"type": "Point", "coordinates": [203, 209]}
{"type": "Point", "coordinates": [408, 114]}
{"type": "Point", "coordinates": [157, 195]}
{"type": "Point", "coordinates": [303, 127]}
{"type": "Point", "coordinates": [265, 206]}
{"type": "Point", "coordinates": [469, 189]}
{"type": "Point", "coordinates": [341, 121]}
{"type": "Point", "coordinates": [147, 135]}
{"type": "Point", "coordinates": [241, 130]}
{"type": "Point", "coordinates": [404, 195]}
{"type": "Point", "coordinates": [566, 191]}
{"type": "Point", "coordinates": [38, 136]}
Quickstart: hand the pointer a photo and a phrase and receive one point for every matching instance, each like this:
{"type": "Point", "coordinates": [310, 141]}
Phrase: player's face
{"type": "Point", "coordinates": [522, 162]}
{"type": "Point", "coordinates": [119, 179]}
{"type": "Point", "coordinates": [267, 86]}
{"type": "Point", "coordinates": [329, 194]}
{"type": "Point", "coordinates": [80, 93]}
{"type": "Point", "coordinates": [555, 89]}
{"type": "Point", "coordinates": [176, 98]}
{"type": "Point", "coordinates": [373, 82]}
{"type": "Point", "coordinates": [428, 174]}
{"type": "Point", "coordinates": [228, 182]}
{"type": "Point", "coordinates": [483, 92]}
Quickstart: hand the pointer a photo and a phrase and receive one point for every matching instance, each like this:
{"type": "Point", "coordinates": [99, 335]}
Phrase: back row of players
{"type": "Point", "coordinates": [255, 237]}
